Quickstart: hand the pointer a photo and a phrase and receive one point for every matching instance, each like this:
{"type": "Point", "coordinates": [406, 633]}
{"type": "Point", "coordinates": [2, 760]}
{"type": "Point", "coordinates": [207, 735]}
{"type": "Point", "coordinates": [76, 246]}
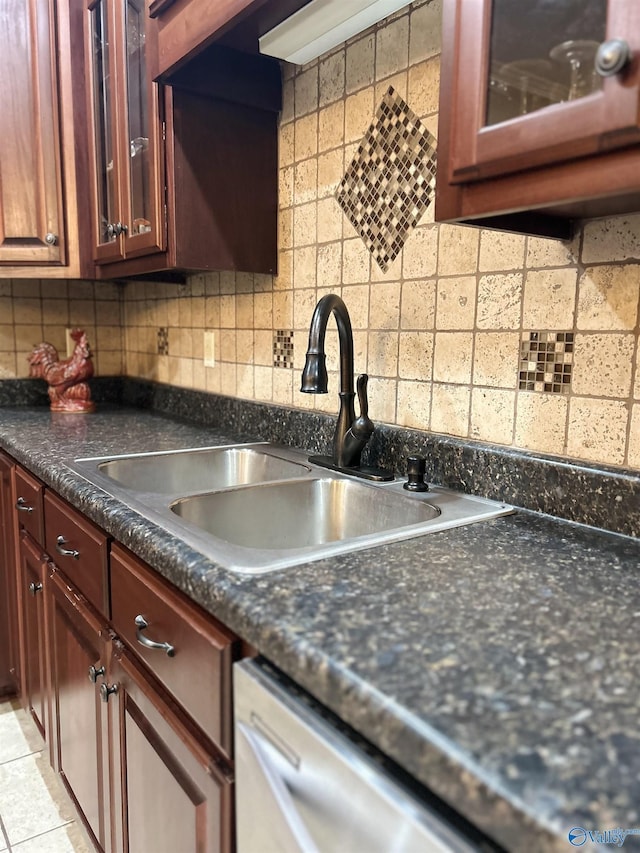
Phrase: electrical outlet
{"type": "Point", "coordinates": [71, 344]}
{"type": "Point", "coordinates": [209, 349]}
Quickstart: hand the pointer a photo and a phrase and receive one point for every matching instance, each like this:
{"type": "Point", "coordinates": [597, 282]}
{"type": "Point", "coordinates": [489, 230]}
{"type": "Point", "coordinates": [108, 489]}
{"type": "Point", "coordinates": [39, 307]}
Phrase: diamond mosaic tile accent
{"type": "Point", "coordinates": [546, 362]}
{"type": "Point", "coordinates": [391, 180]}
{"type": "Point", "coordinates": [163, 340]}
{"type": "Point", "coordinates": [283, 348]}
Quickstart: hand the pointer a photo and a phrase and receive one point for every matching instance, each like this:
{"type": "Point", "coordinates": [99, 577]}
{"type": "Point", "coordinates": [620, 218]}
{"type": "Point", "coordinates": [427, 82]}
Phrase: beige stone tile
{"type": "Point", "coordinates": [359, 111]}
{"type": "Point", "coordinates": [244, 311]}
{"type": "Point", "coordinates": [608, 297]}
{"type": "Point", "coordinates": [28, 311]}
{"type": "Point", "coordinates": [636, 387]}
{"type": "Point", "coordinates": [415, 359]}
{"type": "Point", "coordinates": [304, 267]}
{"type": "Point", "coordinates": [356, 261]}
{"type": "Point", "coordinates": [457, 250]}
{"type": "Point", "coordinates": [305, 224]}
{"type": "Point", "coordinates": [7, 339]}
{"type": "Point", "coordinates": [499, 301]}
{"type": "Point", "coordinates": [8, 366]}
{"type": "Point", "coordinates": [633, 456]}
{"type": "Point", "coordinates": [452, 357]}
{"type": "Point", "coordinates": [417, 310]}
{"type": "Point", "coordinates": [330, 172]}
{"type": "Point", "coordinates": [27, 337]}
{"type": "Point", "coordinates": [306, 91]}
{"type": "Point", "coordinates": [108, 337]}
{"type": "Point", "coordinates": [59, 289]}
{"type": "Point", "coordinates": [541, 421]}
{"type": "Point", "coordinates": [263, 382]}
{"type": "Point", "coordinates": [331, 127]}
{"type": "Point", "coordinates": [384, 305]}
{"type": "Point", "coordinates": [263, 310]}
{"type": "Point", "coordinates": [450, 409]}
{"type": "Point", "coordinates": [286, 185]}
{"type": "Point", "coordinates": [492, 415]}
{"type": "Point", "coordinates": [549, 299]}
{"type": "Point", "coordinates": [382, 356]}
{"type": "Point", "coordinates": [597, 430]}
{"type": "Point", "coordinates": [227, 283]}
{"type": "Point", "coordinates": [245, 381]}
{"type": "Point", "coordinates": [500, 250]}
{"type": "Point", "coordinates": [283, 387]}
{"type": "Point", "coordinates": [285, 229]}
{"type": "Point", "coordinates": [425, 31]}
{"type": "Point", "coordinates": [263, 347]}
{"type": "Point", "coordinates": [306, 181]}
{"type": "Point", "coordinates": [392, 48]}
{"type": "Point", "coordinates": [228, 345]}
{"type": "Point", "coordinates": [356, 298]}
{"type": "Point", "coordinates": [197, 312]}
{"type": "Point", "coordinates": [542, 252]}
{"type": "Point", "coordinates": [414, 404]}
{"type": "Point", "coordinates": [456, 303]}
{"type": "Point", "coordinates": [602, 365]}
{"type": "Point", "coordinates": [393, 271]}
{"type": "Point", "coordinates": [24, 288]}
{"type": "Point", "coordinates": [283, 310]}
{"type": "Point", "coordinates": [614, 239]}
{"type": "Point", "coordinates": [56, 312]}
{"type": "Point", "coordinates": [228, 384]}
{"type": "Point", "coordinates": [332, 78]}
{"type": "Point", "coordinates": [288, 100]}
{"type": "Point", "coordinates": [360, 63]}
{"type": "Point", "coordinates": [286, 144]}
{"type": "Point", "coordinates": [495, 359]}
{"type": "Point", "coordinates": [382, 399]}
{"type": "Point", "coordinates": [330, 265]}
{"type": "Point", "coordinates": [199, 375]}
{"type": "Point", "coordinates": [110, 363]}
{"type": "Point", "coordinates": [213, 379]}
{"type": "Point", "coordinates": [306, 137]}
{"type": "Point", "coordinates": [284, 279]}
{"type": "Point", "coordinates": [398, 82]}
{"type": "Point", "coordinates": [330, 220]}
{"type": "Point", "coordinates": [424, 87]}
{"type": "Point", "coordinates": [303, 307]}
{"type": "Point", "coordinates": [211, 283]}
{"type": "Point", "coordinates": [420, 252]}
{"type": "Point", "coordinates": [6, 309]}
{"type": "Point", "coordinates": [228, 312]}
{"type": "Point", "coordinates": [212, 312]}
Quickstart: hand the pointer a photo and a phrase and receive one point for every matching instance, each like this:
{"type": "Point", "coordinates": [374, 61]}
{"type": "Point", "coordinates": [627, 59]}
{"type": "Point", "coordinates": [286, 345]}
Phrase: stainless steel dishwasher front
{"type": "Point", "coordinates": [302, 786]}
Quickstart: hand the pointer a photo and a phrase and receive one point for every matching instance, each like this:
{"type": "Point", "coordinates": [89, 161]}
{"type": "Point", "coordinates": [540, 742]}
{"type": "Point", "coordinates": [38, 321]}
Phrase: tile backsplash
{"type": "Point", "coordinates": [516, 340]}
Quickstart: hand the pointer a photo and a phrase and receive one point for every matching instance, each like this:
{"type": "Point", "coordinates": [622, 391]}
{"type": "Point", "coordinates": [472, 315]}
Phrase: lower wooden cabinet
{"type": "Point", "coordinates": [174, 793]}
{"type": "Point", "coordinates": [9, 666]}
{"type": "Point", "coordinates": [31, 578]}
{"type": "Point", "coordinates": [78, 645]}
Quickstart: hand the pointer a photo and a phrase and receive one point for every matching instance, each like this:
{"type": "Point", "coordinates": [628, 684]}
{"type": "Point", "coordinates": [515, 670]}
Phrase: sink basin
{"type": "Point", "coordinates": [255, 508]}
{"type": "Point", "coordinates": [301, 513]}
{"type": "Point", "coordinates": [198, 470]}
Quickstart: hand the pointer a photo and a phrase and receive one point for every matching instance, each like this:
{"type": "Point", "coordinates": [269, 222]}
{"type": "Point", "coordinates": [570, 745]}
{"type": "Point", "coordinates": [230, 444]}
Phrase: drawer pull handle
{"type": "Point", "coordinates": [23, 506]}
{"type": "Point", "coordinates": [66, 552]}
{"type": "Point", "coordinates": [106, 691]}
{"type": "Point", "coordinates": [141, 624]}
{"type": "Point", "coordinates": [34, 588]}
{"type": "Point", "coordinates": [95, 673]}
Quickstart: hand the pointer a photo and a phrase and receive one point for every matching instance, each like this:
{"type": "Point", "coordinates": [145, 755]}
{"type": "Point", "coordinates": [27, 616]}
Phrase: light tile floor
{"type": "Point", "coordinates": [36, 815]}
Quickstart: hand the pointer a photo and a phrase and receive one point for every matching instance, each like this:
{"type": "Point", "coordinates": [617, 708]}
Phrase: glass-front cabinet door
{"type": "Point", "coordinates": [540, 82]}
{"type": "Point", "coordinates": [127, 173]}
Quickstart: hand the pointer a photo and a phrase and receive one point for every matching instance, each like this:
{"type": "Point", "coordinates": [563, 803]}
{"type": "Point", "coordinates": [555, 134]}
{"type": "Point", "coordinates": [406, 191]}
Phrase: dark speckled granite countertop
{"type": "Point", "coordinates": [499, 664]}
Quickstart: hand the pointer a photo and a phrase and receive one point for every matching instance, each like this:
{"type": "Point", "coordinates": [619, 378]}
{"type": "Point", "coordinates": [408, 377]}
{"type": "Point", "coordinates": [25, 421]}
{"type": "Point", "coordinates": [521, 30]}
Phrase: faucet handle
{"type": "Point", "coordinates": [362, 427]}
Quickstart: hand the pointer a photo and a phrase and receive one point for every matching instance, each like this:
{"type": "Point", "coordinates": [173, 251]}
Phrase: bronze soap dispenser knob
{"type": "Point", "coordinates": [416, 466]}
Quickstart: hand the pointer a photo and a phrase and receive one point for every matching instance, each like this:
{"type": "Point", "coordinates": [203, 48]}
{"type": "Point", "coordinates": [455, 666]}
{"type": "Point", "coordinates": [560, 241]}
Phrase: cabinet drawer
{"type": "Point", "coordinates": [29, 506]}
{"type": "Point", "coordinates": [85, 560]}
{"type": "Point", "coordinates": [196, 669]}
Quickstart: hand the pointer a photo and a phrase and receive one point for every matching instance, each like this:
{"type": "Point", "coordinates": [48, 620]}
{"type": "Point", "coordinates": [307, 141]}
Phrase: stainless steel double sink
{"type": "Point", "coordinates": [254, 508]}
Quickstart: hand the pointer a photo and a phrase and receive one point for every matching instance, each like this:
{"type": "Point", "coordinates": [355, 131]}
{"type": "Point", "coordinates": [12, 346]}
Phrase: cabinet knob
{"type": "Point", "coordinates": [23, 506]}
{"type": "Point", "coordinates": [95, 673]}
{"type": "Point", "coordinates": [51, 239]}
{"type": "Point", "coordinates": [141, 623]}
{"type": "Point", "coordinates": [106, 691]}
{"type": "Point", "coordinates": [612, 56]}
{"type": "Point", "coordinates": [115, 229]}
{"type": "Point", "coordinates": [35, 588]}
{"type": "Point", "coordinates": [66, 552]}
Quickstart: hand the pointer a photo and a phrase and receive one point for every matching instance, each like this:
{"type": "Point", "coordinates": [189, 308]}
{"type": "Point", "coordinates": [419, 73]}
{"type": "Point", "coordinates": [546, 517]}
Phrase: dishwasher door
{"type": "Point", "coordinates": [302, 786]}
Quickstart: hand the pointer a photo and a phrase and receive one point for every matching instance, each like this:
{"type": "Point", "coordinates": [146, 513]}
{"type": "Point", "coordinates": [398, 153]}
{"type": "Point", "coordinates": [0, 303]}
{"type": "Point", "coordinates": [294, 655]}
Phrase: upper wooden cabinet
{"type": "Point", "coordinates": [184, 178]}
{"type": "Point", "coordinates": [539, 120]}
{"type": "Point", "coordinates": [41, 167]}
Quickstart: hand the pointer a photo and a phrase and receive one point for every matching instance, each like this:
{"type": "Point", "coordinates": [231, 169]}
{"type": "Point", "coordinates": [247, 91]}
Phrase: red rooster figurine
{"type": "Point", "coordinates": [67, 379]}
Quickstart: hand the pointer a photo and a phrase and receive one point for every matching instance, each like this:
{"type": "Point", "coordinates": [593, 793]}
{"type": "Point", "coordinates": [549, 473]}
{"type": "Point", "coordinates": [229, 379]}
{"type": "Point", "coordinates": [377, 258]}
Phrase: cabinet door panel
{"type": "Point", "coordinates": [79, 717]}
{"type": "Point", "coordinates": [508, 115]}
{"type": "Point", "coordinates": [175, 795]}
{"type": "Point", "coordinates": [9, 668]}
{"type": "Point", "coordinates": [31, 217]}
{"type": "Point", "coordinates": [32, 580]}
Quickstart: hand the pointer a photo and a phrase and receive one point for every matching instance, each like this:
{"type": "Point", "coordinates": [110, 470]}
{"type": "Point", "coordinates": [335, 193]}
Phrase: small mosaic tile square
{"type": "Point", "coordinates": [391, 180]}
{"type": "Point", "coordinates": [546, 362]}
{"type": "Point", "coordinates": [283, 348]}
{"type": "Point", "coordinates": [163, 340]}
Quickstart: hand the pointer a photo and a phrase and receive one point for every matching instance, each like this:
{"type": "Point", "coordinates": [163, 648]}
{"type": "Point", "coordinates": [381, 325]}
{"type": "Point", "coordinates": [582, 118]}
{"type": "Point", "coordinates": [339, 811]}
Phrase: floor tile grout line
{"type": "Point", "coordinates": [20, 757]}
